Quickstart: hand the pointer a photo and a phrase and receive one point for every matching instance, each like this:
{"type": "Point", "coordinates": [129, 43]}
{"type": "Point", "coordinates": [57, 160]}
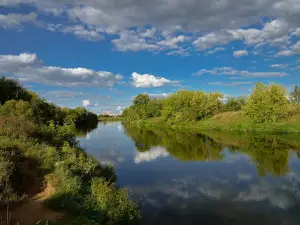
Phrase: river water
{"type": "Point", "coordinates": [213, 178]}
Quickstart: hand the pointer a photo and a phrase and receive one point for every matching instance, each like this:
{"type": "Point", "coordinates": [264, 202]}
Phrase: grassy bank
{"type": "Point", "coordinates": [229, 121]}
{"type": "Point", "coordinates": [38, 149]}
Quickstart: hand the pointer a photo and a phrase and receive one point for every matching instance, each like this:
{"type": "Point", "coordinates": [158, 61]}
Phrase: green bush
{"type": "Point", "coordinates": [115, 203]}
{"type": "Point", "coordinates": [16, 108]}
{"type": "Point", "coordinates": [267, 103]}
{"type": "Point", "coordinates": [14, 126]}
{"type": "Point", "coordinates": [234, 104]}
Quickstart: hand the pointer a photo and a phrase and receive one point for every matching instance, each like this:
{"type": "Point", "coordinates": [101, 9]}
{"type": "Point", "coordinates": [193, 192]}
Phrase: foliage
{"type": "Point", "coordinates": [37, 140]}
{"type": "Point", "coordinates": [181, 106]}
{"type": "Point", "coordinates": [16, 108]}
{"type": "Point", "coordinates": [295, 95]}
{"type": "Point", "coordinates": [114, 202]}
{"type": "Point", "coordinates": [12, 89]}
{"type": "Point", "coordinates": [234, 104]}
{"type": "Point", "coordinates": [267, 103]}
{"type": "Point", "coordinates": [141, 99]}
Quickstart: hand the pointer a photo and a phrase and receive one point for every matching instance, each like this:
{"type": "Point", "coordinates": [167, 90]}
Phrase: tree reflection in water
{"type": "Point", "coordinates": [270, 153]}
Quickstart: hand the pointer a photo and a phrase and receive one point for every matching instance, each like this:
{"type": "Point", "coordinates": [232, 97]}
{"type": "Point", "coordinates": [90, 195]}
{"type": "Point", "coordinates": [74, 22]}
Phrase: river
{"type": "Point", "coordinates": [213, 178]}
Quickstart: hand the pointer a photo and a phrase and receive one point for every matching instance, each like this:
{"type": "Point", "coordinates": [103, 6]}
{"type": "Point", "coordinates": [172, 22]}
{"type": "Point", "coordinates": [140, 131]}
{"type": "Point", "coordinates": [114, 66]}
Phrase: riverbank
{"type": "Point", "coordinates": [46, 172]}
{"type": "Point", "coordinates": [229, 121]}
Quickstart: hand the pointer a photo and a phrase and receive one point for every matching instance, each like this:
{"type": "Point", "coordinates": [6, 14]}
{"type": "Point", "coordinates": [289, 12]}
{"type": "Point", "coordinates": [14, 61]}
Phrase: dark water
{"type": "Point", "coordinates": [213, 178]}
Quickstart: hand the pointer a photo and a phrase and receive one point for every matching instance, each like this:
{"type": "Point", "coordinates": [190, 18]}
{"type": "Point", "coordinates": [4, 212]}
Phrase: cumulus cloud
{"type": "Point", "coordinates": [172, 42]}
{"type": "Point", "coordinates": [188, 15]}
{"type": "Point", "coordinates": [131, 41]}
{"type": "Point", "coordinates": [232, 72]}
{"type": "Point", "coordinates": [207, 24]}
{"type": "Point", "coordinates": [240, 53]}
{"type": "Point", "coordinates": [148, 80]}
{"type": "Point", "coordinates": [295, 49]}
{"type": "Point", "coordinates": [14, 20]}
{"type": "Point", "coordinates": [78, 30]}
{"type": "Point", "coordinates": [28, 67]}
{"type": "Point", "coordinates": [155, 152]}
{"type": "Point", "coordinates": [86, 103]}
{"type": "Point", "coordinates": [273, 33]}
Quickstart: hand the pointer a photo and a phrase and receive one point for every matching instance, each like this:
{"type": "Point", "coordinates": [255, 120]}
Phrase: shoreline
{"type": "Point", "coordinates": [209, 125]}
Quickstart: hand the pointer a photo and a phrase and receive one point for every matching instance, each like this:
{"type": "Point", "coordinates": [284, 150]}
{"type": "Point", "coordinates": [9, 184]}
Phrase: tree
{"type": "Point", "coordinates": [234, 104]}
{"type": "Point", "coordinates": [267, 103]}
{"type": "Point", "coordinates": [141, 99]}
{"type": "Point", "coordinates": [11, 89]}
{"type": "Point", "coordinates": [295, 95]}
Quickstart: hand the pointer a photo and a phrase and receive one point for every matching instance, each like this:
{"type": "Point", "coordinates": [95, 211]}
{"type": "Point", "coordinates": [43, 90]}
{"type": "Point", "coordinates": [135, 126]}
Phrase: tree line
{"type": "Point", "coordinates": [17, 101]}
{"type": "Point", "coordinates": [267, 103]}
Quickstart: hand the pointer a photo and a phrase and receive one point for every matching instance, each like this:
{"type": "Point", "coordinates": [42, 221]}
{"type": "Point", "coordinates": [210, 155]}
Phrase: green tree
{"type": "Point", "coordinates": [267, 103]}
{"type": "Point", "coordinates": [141, 99]}
{"type": "Point", "coordinates": [11, 89]}
{"type": "Point", "coordinates": [234, 104]}
{"type": "Point", "coordinates": [295, 95]}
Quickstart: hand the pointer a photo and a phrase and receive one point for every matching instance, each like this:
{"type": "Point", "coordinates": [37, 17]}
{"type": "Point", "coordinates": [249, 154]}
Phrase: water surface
{"type": "Point", "coordinates": [212, 178]}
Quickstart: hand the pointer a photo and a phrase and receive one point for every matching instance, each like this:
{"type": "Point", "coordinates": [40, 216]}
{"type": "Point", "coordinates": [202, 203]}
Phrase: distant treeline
{"type": "Point", "coordinates": [15, 100]}
{"type": "Point", "coordinates": [267, 103]}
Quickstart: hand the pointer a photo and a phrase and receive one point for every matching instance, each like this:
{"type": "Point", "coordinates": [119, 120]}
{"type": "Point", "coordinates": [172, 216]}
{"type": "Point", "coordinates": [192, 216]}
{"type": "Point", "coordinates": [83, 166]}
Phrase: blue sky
{"type": "Point", "coordinates": [101, 53]}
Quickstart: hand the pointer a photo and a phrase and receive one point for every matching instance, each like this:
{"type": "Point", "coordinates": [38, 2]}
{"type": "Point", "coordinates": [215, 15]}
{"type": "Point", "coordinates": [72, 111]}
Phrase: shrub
{"type": "Point", "coordinates": [14, 126]}
{"type": "Point", "coordinates": [16, 108]}
{"type": "Point", "coordinates": [57, 135]}
{"type": "Point", "coordinates": [234, 104]}
{"type": "Point", "coordinates": [267, 103]}
{"type": "Point", "coordinates": [115, 202]}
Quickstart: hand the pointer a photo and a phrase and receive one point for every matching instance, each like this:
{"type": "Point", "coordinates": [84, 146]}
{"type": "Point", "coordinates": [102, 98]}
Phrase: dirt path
{"type": "Point", "coordinates": [33, 210]}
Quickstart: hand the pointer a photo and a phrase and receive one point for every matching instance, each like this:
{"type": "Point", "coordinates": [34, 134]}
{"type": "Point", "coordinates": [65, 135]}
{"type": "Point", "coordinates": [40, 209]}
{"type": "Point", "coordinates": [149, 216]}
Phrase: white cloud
{"type": "Point", "coordinates": [240, 53]}
{"type": "Point", "coordinates": [296, 32]}
{"type": "Point", "coordinates": [148, 33]}
{"type": "Point", "coordinates": [120, 108]}
{"type": "Point", "coordinates": [131, 41]}
{"type": "Point", "coordinates": [172, 42]}
{"type": "Point", "coordinates": [281, 66]}
{"type": "Point", "coordinates": [86, 103]}
{"type": "Point", "coordinates": [14, 20]}
{"type": "Point", "coordinates": [148, 80]}
{"type": "Point", "coordinates": [244, 73]}
{"type": "Point", "coordinates": [295, 49]}
{"type": "Point", "coordinates": [28, 67]}
{"type": "Point", "coordinates": [78, 30]}
{"type": "Point", "coordinates": [273, 33]}
{"type": "Point", "coordinates": [145, 25]}
{"type": "Point", "coordinates": [217, 49]}
{"type": "Point", "coordinates": [154, 153]}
